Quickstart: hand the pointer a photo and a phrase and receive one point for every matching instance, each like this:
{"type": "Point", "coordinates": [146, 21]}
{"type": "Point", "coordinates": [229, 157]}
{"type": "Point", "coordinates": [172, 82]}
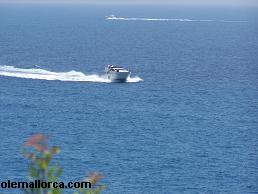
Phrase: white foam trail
{"type": "Point", "coordinates": [134, 79]}
{"type": "Point", "coordinates": [42, 74]}
{"type": "Point", "coordinates": [173, 19]}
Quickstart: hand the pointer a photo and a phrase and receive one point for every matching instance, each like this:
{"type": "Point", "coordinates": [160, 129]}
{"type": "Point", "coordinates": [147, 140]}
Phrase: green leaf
{"type": "Point", "coordinates": [56, 191]}
{"type": "Point", "coordinates": [55, 150]}
{"type": "Point", "coordinates": [42, 164]}
{"type": "Point", "coordinates": [34, 173]}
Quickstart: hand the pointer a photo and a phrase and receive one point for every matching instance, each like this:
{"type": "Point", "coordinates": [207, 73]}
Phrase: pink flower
{"type": "Point", "coordinates": [37, 141]}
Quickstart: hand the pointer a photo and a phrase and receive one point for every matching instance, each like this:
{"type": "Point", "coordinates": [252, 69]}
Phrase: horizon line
{"type": "Point", "coordinates": [81, 2]}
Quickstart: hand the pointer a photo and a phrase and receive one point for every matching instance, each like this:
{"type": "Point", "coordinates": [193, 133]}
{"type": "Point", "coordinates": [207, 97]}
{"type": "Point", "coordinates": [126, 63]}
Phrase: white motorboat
{"type": "Point", "coordinates": [111, 17]}
{"type": "Point", "coordinates": [117, 73]}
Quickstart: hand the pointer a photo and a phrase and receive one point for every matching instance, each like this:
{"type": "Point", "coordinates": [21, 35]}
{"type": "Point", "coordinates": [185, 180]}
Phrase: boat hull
{"type": "Point", "coordinates": [118, 76]}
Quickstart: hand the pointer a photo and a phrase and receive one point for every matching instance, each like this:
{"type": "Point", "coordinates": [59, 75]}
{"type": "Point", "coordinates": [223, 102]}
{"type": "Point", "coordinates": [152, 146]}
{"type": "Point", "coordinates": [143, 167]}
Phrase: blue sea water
{"type": "Point", "coordinates": [185, 123]}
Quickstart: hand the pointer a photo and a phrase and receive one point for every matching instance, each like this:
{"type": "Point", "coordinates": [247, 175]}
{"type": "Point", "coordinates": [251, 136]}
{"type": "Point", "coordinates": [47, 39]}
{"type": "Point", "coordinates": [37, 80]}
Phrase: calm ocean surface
{"type": "Point", "coordinates": [186, 123]}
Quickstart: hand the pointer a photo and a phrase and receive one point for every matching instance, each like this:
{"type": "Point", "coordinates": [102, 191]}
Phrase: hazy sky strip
{"type": "Point", "coordinates": [145, 2]}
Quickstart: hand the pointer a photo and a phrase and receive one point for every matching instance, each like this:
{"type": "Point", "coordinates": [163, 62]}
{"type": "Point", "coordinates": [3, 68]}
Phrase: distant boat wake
{"type": "Point", "coordinates": [73, 76]}
{"type": "Point", "coordinates": [112, 17]}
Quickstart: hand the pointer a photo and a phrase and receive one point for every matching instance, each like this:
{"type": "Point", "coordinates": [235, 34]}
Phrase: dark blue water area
{"type": "Point", "coordinates": [190, 127]}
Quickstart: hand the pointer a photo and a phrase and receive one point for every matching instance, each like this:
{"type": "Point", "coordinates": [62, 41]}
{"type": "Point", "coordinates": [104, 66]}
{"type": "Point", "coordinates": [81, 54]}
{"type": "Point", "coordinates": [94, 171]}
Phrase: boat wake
{"type": "Point", "coordinates": [112, 17]}
{"type": "Point", "coordinates": [74, 76]}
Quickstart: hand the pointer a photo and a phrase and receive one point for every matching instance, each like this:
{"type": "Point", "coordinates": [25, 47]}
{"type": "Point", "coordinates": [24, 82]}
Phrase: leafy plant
{"type": "Point", "coordinates": [40, 168]}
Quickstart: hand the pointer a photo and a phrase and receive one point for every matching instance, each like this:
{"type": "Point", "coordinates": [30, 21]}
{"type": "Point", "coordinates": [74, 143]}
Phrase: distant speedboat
{"type": "Point", "coordinates": [111, 17]}
{"type": "Point", "coordinates": [117, 73]}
